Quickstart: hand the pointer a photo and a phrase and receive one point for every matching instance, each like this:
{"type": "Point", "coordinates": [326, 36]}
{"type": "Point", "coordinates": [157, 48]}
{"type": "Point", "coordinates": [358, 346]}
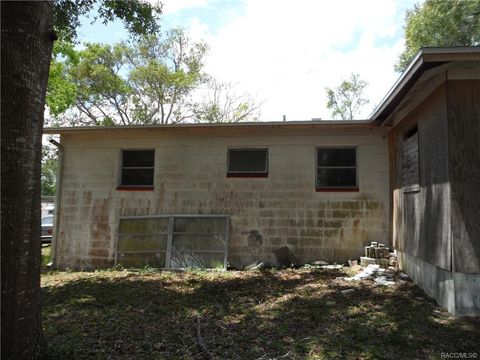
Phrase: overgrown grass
{"type": "Point", "coordinates": [46, 250]}
{"type": "Point", "coordinates": [244, 315]}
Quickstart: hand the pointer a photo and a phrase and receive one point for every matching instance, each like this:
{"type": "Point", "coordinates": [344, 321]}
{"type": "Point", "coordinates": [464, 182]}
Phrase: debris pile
{"type": "Point", "coordinates": [376, 254]}
{"type": "Point", "coordinates": [320, 264]}
{"type": "Point", "coordinates": [380, 276]}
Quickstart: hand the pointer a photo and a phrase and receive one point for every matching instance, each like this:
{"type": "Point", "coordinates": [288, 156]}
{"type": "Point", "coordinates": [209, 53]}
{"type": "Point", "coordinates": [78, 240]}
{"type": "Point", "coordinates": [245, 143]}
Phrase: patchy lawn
{"type": "Point", "coordinates": [46, 250]}
{"type": "Point", "coordinates": [244, 315]}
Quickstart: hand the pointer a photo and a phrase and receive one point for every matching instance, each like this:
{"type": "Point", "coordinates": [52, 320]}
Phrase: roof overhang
{"type": "Point", "coordinates": [314, 124]}
{"type": "Point", "coordinates": [426, 58]}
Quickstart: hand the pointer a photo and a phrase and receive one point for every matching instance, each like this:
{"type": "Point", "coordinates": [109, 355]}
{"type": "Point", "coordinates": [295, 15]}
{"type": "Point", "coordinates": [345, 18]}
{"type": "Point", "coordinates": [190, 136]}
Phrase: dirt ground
{"type": "Point", "coordinates": [270, 314]}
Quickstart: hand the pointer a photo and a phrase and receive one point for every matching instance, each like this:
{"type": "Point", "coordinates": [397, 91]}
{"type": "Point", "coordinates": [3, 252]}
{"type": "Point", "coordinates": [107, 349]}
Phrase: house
{"type": "Point", "coordinates": [175, 196]}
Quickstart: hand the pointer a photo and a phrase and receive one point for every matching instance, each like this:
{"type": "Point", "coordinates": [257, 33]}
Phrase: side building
{"type": "Point", "coordinates": [319, 188]}
{"type": "Point", "coordinates": [434, 146]}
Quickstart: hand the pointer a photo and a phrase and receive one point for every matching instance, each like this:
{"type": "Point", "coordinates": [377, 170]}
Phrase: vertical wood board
{"type": "Point", "coordinates": [464, 144]}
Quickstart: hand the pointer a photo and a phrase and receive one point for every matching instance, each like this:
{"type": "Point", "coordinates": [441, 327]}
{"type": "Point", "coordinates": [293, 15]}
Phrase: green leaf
{"type": "Point", "coordinates": [440, 23]}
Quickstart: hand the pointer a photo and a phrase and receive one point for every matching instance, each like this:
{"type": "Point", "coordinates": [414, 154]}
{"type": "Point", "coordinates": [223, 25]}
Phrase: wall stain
{"type": "Point", "coordinates": [100, 237]}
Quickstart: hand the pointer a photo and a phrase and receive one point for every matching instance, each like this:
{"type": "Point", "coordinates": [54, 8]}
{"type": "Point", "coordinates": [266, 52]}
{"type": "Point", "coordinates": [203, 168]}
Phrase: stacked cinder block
{"type": "Point", "coordinates": [375, 253]}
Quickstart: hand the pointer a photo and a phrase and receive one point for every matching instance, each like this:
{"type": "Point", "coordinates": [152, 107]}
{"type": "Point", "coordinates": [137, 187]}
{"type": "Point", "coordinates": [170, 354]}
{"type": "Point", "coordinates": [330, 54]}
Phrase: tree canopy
{"type": "Point", "coordinates": [347, 99]}
{"type": "Point", "coordinates": [158, 79]}
{"type": "Point", "coordinates": [143, 82]}
{"type": "Point", "coordinates": [138, 17]}
{"type": "Point", "coordinates": [49, 170]}
{"type": "Point", "coordinates": [220, 103]}
{"type": "Point", "coordinates": [440, 23]}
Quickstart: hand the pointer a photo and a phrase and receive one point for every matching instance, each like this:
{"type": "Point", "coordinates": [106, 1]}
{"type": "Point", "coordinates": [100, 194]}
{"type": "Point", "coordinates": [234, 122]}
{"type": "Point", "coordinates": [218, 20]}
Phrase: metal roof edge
{"type": "Point", "coordinates": [426, 58]}
{"type": "Point", "coordinates": [314, 123]}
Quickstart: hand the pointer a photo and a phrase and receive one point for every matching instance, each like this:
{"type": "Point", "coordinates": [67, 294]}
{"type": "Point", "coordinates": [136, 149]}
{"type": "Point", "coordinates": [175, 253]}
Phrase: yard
{"type": "Point", "coordinates": [296, 314]}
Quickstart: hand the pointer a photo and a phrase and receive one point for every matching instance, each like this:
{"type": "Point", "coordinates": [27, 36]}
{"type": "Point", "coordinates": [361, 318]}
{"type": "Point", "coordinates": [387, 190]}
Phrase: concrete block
{"type": "Point", "coordinates": [365, 261]}
{"type": "Point", "coordinates": [190, 178]}
{"type": "Point", "coordinates": [457, 292]}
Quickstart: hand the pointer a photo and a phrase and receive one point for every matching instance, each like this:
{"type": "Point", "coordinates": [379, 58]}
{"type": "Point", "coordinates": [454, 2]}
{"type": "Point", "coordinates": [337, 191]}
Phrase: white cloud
{"type": "Point", "coordinates": [288, 52]}
{"type": "Point", "coordinates": [173, 6]}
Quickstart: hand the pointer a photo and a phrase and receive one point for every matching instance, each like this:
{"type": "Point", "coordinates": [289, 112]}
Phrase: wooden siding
{"type": "Point", "coordinates": [464, 153]}
{"type": "Point", "coordinates": [421, 219]}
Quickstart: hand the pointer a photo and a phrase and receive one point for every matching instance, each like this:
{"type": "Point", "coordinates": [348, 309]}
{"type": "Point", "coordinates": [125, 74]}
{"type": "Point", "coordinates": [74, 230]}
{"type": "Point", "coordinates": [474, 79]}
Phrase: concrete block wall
{"type": "Point", "coordinates": [190, 178]}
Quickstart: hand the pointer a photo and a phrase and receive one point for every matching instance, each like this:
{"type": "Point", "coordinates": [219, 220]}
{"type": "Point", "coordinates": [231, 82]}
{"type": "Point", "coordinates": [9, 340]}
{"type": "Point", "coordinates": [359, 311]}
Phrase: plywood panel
{"type": "Point", "coordinates": [421, 217]}
{"type": "Point", "coordinates": [398, 202]}
{"type": "Point", "coordinates": [433, 150]}
{"type": "Point", "coordinates": [464, 144]}
{"type": "Point", "coordinates": [410, 173]}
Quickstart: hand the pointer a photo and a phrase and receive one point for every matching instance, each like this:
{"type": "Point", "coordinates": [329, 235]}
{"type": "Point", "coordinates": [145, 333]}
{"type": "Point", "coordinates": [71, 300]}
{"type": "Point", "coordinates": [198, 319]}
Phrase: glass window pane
{"type": "Point", "coordinates": [140, 260]}
{"type": "Point", "coordinates": [142, 242]}
{"type": "Point", "coordinates": [143, 226]}
{"type": "Point", "coordinates": [140, 177]}
{"type": "Point", "coordinates": [336, 157]}
{"type": "Point", "coordinates": [254, 160]}
{"type": "Point", "coordinates": [198, 242]}
{"type": "Point", "coordinates": [199, 225]}
{"type": "Point", "coordinates": [180, 260]}
{"type": "Point", "coordinates": [336, 178]}
{"type": "Point", "coordinates": [138, 158]}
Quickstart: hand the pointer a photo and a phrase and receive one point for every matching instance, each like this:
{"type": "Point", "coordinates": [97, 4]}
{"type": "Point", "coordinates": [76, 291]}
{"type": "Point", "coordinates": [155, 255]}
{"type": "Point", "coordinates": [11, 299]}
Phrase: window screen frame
{"type": "Point", "coordinates": [121, 186]}
{"type": "Point", "coordinates": [348, 188]}
{"type": "Point", "coordinates": [171, 233]}
{"type": "Point", "coordinates": [247, 173]}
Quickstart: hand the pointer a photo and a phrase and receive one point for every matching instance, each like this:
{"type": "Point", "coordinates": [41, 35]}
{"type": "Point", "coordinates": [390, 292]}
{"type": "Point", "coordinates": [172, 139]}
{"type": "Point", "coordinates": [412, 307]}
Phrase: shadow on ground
{"type": "Point", "coordinates": [244, 315]}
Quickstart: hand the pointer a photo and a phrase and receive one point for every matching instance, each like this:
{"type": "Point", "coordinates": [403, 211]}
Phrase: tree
{"type": "Point", "coordinates": [222, 104]}
{"type": "Point", "coordinates": [157, 80]}
{"type": "Point", "coordinates": [27, 36]}
{"type": "Point", "coordinates": [61, 90]}
{"type": "Point", "coordinates": [437, 23]}
{"type": "Point", "coordinates": [49, 170]}
{"type": "Point", "coordinates": [146, 82]}
{"type": "Point", "coordinates": [346, 100]}
{"type": "Point", "coordinates": [138, 17]}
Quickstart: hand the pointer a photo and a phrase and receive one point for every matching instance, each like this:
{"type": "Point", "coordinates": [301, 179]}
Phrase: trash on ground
{"type": "Point", "coordinates": [384, 280]}
{"type": "Point", "coordinates": [331, 267]}
{"type": "Point", "coordinates": [255, 266]}
{"type": "Point", "coordinates": [380, 276]}
{"type": "Point", "coordinates": [347, 291]}
{"type": "Point", "coordinates": [319, 262]}
{"type": "Point", "coordinates": [403, 276]}
{"type": "Point", "coordinates": [322, 265]}
{"type": "Point", "coordinates": [352, 262]}
{"type": "Point", "coordinates": [285, 257]}
{"type": "Point", "coordinates": [368, 273]}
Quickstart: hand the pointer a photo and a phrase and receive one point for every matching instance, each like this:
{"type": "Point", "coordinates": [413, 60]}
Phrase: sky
{"type": "Point", "coordinates": [285, 53]}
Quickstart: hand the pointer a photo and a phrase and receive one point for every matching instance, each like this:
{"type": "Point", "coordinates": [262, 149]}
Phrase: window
{"type": "Point", "coordinates": [247, 163]}
{"type": "Point", "coordinates": [173, 241]}
{"type": "Point", "coordinates": [137, 168]}
{"type": "Point", "coordinates": [337, 169]}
